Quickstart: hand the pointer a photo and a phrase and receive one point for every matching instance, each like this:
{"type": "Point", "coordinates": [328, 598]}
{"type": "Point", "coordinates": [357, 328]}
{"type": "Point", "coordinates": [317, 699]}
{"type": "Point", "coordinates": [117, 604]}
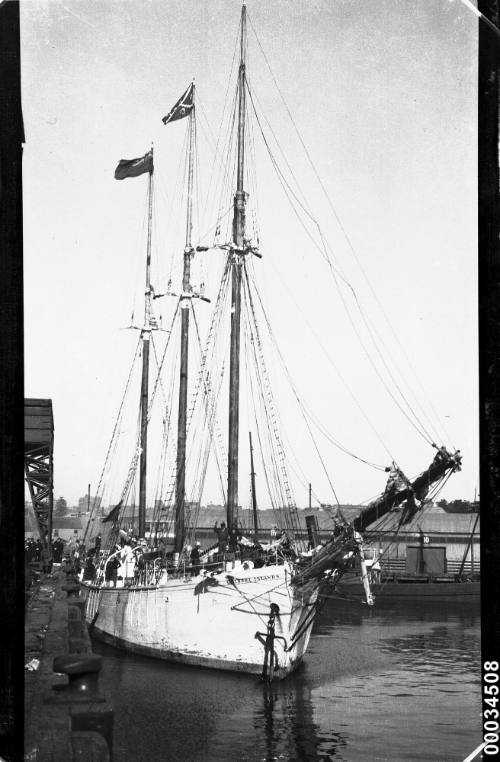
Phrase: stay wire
{"type": "Point", "coordinates": [335, 272]}
{"type": "Point", "coordinates": [325, 192]}
{"type": "Point", "coordinates": [113, 435]}
{"type": "Point", "coordinates": [274, 489]}
{"type": "Point", "coordinates": [302, 405]}
{"type": "Point", "coordinates": [211, 401]}
{"type": "Point", "coordinates": [292, 514]}
{"type": "Point", "coordinates": [226, 103]}
{"type": "Point", "coordinates": [306, 422]}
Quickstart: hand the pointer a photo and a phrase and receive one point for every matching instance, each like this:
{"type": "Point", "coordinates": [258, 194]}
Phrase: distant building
{"type": "Point", "coordinates": [83, 504]}
{"type": "Point", "coordinates": [434, 528]}
{"type": "Point", "coordinates": [67, 528]}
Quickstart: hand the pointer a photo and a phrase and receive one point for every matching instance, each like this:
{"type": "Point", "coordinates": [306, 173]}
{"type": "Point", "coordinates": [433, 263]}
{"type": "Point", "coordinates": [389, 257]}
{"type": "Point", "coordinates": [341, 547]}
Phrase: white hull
{"type": "Point", "coordinates": [208, 621]}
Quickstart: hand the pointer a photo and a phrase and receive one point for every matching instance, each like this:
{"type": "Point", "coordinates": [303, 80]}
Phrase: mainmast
{"type": "Point", "coordinates": [180, 484]}
{"type": "Point", "coordinates": [237, 255]}
{"type": "Point", "coordinates": [145, 336]}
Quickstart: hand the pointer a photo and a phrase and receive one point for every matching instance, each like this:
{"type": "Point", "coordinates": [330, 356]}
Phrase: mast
{"type": "Point", "coordinates": [254, 495]}
{"type": "Point", "coordinates": [237, 254]}
{"type": "Point", "coordinates": [180, 483]}
{"type": "Point", "coordinates": [145, 336]}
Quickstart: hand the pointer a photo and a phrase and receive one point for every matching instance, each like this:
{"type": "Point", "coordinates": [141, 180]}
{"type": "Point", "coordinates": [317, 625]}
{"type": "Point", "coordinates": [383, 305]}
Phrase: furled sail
{"type": "Point", "coordinates": [401, 489]}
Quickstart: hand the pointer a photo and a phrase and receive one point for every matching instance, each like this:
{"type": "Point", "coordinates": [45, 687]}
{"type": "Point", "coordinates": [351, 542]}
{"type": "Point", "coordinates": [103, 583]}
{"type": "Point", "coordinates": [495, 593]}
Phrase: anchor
{"type": "Point", "coordinates": [267, 639]}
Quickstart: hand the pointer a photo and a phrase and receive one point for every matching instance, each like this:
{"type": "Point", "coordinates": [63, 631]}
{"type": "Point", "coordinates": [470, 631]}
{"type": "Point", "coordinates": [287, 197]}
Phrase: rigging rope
{"type": "Point", "coordinates": [211, 401]}
{"type": "Point", "coordinates": [113, 438]}
{"type": "Point", "coordinates": [301, 404]}
{"type": "Point", "coordinates": [334, 272]}
{"type": "Point", "coordinates": [292, 514]}
{"type": "Point", "coordinates": [430, 439]}
{"type": "Point", "coordinates": [273, 487]}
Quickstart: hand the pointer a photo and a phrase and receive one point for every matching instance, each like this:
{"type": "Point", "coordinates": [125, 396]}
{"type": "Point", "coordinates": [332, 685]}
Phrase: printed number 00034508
{"type": "Point", "coordinates": [490, 699]}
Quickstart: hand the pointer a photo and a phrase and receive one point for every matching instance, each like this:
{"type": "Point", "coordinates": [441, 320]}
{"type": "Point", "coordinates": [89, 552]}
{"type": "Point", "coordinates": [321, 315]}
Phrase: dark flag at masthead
{"type": "Point", "coordinates": [182, 108]}
{"type": "Point", "coordinates": [134, 167]}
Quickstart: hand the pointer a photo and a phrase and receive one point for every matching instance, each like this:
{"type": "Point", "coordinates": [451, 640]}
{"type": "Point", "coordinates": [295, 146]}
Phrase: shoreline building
{"type": "Point", "coordinates": [445, 539]}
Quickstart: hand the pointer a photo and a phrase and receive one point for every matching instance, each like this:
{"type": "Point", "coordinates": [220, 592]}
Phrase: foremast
{"type": "Point", "coordinates": [145, 337]}
{"type": "Point", "coordinates": [180, 482]}
{"type": "Point", "coordinates": [237, 256]}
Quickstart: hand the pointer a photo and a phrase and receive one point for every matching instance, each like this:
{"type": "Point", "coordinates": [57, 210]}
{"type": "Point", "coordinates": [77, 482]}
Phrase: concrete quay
{"type": "Point", "coordinates": [67, 718]}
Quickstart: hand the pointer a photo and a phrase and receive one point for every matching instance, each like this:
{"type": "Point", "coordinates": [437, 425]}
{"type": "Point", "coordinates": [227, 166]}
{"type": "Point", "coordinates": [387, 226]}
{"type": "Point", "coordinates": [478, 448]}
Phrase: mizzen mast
{"type": "Point", "coordinates": [237, 256]}
{"type": "Point", "coordinates": [145, 336]}
{"type": "Point", "coordinates": [180, 482]}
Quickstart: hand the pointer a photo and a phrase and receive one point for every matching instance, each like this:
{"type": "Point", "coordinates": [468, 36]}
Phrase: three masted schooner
{"type": "Point", "coordinates": [245, 606]}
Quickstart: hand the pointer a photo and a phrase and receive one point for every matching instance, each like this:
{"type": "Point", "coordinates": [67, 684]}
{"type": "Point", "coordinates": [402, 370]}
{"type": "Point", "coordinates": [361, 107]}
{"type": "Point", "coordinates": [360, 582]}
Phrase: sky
{"type": "Point", "coordinates": [383, 96]}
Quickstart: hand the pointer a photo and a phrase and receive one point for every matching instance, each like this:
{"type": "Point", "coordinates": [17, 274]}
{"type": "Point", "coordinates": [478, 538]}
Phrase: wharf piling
{"type": "Point", "coordinates": [67, 717]}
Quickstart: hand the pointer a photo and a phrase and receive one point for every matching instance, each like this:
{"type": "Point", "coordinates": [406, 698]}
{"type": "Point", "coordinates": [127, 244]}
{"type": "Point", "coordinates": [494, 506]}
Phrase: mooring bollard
{"type": "Point", "coordinates": [71, 717]}
{"type": "Point", "coordinates": [89, 710]}
{"type": "Point", "coordinates": [82, 672]}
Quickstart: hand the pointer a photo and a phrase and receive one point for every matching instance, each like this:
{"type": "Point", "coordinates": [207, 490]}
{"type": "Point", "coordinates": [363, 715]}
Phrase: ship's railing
{"type": "Point", "coordinates": [161, 568]}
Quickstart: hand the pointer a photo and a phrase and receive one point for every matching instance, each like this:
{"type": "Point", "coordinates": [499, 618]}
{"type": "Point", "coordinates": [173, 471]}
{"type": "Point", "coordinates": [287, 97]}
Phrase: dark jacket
{"type": "Point", "coordinates": [112, 569]}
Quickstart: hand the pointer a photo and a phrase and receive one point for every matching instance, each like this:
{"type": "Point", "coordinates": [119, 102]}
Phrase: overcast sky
{"type": "Point", "coordinates": [383, 93]}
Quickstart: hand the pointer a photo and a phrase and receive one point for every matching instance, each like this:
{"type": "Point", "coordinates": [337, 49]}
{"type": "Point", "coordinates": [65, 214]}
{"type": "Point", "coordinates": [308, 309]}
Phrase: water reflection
{"type": "Point", "coordinates": [401, 673]}
{"type": "Point", "coordinates": [290, 730]}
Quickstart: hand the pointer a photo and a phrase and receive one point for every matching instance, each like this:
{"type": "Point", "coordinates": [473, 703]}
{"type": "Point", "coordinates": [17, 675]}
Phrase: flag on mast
{"type": "Point", "coordinates": [182, 108]}
{"type": "Point", "coordinates": [114, 513]}
{"type": "Point", "coordinates": [134, 167]}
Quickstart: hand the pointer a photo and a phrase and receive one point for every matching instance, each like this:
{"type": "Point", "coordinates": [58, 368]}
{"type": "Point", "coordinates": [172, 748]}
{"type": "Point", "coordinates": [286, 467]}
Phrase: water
{"type": "Point", "coordinates": [398, 682]}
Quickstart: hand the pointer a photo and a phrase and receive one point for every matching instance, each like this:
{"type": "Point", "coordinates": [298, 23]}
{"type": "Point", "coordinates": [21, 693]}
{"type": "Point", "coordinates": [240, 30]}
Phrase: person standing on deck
{"type": "Point", "coordinates": [89, 569]}
{"type": "Point", "coordinates": [222, 536]}
{"type": "Point", "coordinates": [195, 560]}
{"type": "Point", "coordinates": [111, 573]}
